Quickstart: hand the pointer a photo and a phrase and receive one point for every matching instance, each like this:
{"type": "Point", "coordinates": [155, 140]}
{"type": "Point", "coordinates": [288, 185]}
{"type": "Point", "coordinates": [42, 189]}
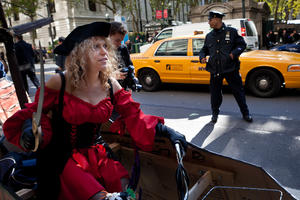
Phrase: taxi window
{"type": "Point", "coordinates": [173, 48]}
{"type": "Point", "coordinates": [162, 50]}
{"type": "Point", "coordinates": [197, 46]}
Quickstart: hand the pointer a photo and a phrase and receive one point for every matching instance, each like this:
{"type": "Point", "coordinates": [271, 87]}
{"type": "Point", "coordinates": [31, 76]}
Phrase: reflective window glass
{"type": "Point", "coordinates": [163, 35]}
{"type": "Point", "coordinates": [197, 46]}
{"type": "Point", "coordinates": [173, 48]}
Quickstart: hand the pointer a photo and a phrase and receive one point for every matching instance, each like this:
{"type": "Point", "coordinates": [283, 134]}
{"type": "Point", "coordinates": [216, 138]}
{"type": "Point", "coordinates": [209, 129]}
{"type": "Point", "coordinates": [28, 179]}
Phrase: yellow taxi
{"type": "Point", "coordinates": [176, 60]}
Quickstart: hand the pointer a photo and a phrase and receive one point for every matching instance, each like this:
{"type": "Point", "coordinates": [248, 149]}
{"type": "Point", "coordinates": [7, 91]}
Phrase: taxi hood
{"type": "Point", "coordinates": [267, 54]}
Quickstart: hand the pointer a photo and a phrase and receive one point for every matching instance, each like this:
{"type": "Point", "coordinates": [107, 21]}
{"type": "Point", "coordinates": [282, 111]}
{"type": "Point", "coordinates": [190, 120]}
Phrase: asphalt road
{"type": "Point", "coordinates": [272, 141]}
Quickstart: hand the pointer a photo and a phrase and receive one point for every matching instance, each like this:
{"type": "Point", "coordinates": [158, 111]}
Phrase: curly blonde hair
{"type": "Point", "coordinates": [76, 63]}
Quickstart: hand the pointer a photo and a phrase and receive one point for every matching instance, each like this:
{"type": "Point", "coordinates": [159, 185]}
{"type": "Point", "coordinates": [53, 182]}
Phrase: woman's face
{"type": "Point", "coordinates": [98, 56]}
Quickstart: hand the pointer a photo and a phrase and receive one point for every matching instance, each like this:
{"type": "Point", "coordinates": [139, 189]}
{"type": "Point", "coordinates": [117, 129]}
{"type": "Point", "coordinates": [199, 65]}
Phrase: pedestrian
{"type": "Point", "coordinates": [224, 46]}
{"type": "Point", "coordinates": [36, 54]}
{"type": "Point", "coordinates": [3, 66]}
{"type": "Point", "coordinates": [284, 37]}
{"type": "Point", "coordinates": [117, 34]}
{"type": "Point", "coordinates": [128, 44]}
{"type": "Point", "coordinates": [25, 58]}
{"type": "Point", "coordinates": [70, 164]}
{"type": "Point", "coordinates": [270, 39]}
{"type": "Point", "coordinates": [293, 37]}
{"type": "Point", "coordinates": [60, 59]}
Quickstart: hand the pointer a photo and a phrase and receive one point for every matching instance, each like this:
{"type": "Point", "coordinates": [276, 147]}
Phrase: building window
{"type": "Point", "coordinates": [51, 6]}
{"type": "Point", "coordinates": [92, 5]}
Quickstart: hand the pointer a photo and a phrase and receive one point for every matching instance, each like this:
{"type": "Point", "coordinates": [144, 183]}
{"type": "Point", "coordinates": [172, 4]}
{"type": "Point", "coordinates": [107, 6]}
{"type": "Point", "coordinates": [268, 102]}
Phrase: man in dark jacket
{"type": "Point", "coordinates": [25, 58]}
{"type": "Point", "coordinates": [126, 75]}
{"type": "Point", "coordinates": [224, 46]}
{"type": "Point", "coordinates": [117, 34]}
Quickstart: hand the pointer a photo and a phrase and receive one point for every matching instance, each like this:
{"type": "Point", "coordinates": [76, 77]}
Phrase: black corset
{"type": "Point", "coordinates": [83, 135]}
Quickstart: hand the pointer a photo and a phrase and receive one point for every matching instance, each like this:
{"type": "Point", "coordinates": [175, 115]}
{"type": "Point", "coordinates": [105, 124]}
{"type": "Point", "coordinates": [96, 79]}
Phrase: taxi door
{"type": "Point", "coordinates": [171, 61]}
{"type": "Point", "coordinates": [198, 72]}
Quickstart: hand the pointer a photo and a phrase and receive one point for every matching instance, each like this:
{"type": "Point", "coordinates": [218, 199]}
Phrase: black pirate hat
{"type": "Point", "coordinates": [215, 14]}
{"type": "Point", "coordinates": [80, 34]}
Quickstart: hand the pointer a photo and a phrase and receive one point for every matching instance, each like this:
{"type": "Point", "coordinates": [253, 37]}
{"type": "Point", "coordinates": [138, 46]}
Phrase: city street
{"type": "Point", "coordinates": [272, 141]}
{"type": "Point", "coordinates": [171, 46]}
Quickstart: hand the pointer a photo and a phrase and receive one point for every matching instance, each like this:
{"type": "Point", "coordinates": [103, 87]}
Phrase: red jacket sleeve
{"type": "Point", "coordinates": [12, 127]}
{"type": "Point", "coordinates": [140, 126]}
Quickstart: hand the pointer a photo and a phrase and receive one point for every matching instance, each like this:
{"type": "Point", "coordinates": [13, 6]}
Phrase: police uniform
{"type": "Point", "coordinates": [219, 44]}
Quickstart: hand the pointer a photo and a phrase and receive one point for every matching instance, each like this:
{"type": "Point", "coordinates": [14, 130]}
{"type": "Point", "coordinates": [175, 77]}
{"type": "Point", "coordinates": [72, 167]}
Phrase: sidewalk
{"type": "Point", "coordinates": [49, 61]}
{"type": "Point", "coordinates": [49, 65]}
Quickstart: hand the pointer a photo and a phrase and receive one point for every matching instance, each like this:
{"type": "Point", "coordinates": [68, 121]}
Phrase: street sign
{"type": "Point", "coordinates": [158, 14]}
{"type": "Point", "coordinates": [165, 13]}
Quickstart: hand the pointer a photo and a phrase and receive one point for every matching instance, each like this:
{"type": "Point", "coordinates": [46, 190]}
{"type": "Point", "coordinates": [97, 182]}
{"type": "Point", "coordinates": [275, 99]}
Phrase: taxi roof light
{"type": "Point", "coordinates": [198, 32]}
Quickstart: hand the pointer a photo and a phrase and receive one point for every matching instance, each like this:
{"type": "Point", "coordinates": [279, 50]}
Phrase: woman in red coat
{"type": "Point", "coordinates": [71, 165]}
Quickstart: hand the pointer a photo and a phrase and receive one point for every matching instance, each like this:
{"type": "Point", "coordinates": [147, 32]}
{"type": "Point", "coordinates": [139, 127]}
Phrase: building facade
{"type": "Point", "coordinates": [66, 16]}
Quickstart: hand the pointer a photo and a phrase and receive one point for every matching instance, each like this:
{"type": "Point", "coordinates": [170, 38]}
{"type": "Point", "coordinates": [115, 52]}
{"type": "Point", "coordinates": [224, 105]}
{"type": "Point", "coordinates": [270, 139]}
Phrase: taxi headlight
{"type": "Point", "coordinates": [294, 68]}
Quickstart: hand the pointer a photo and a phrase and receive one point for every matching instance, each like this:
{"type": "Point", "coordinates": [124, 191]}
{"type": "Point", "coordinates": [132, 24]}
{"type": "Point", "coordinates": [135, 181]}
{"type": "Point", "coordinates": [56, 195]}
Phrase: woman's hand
{"type": "Point", "coordinates": [174, 136]}
{"type": "Point", "coordinates": [27, 139]}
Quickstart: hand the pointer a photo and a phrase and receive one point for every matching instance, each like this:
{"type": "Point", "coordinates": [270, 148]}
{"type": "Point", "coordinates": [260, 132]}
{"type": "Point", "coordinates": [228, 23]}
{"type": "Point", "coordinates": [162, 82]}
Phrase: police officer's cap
{"type": "Point", "coordinates": [80, 34]}
{"type": "Point", "coordinates": [215, 14]}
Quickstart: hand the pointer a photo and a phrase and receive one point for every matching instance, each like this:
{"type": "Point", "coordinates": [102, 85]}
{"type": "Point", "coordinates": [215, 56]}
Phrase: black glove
{"type": "Point", "coordinates": [27, 139]}
{"type": "Point", "coordinates": [170, 133]}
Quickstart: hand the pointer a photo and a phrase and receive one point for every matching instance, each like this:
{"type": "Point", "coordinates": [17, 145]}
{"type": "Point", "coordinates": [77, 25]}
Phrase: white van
{"type": "Point", "coordinates": [245, 27]}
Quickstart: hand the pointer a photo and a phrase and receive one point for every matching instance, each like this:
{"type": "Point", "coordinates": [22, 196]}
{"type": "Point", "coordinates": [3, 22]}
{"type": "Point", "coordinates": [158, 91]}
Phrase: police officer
{"type": "Point", "coordinates": [224, 46]}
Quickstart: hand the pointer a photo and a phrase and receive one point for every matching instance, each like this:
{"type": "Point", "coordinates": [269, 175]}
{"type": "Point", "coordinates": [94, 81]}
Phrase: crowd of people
{"type": "Point", "coordinates": [281, 37]}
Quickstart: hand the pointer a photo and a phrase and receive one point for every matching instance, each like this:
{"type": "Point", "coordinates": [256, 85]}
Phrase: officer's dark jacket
{"type": "Point", "coordinates": [125, 55]}
{"type": "Point", "coordinates": [218, 45]}
{"type": "Point", "coordinates": [24, 52]}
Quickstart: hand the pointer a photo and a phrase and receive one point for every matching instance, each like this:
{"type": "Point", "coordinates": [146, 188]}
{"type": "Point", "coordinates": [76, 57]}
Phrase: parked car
{"type": "Point", "coordinates": [294, 47]}
{"type": "Point", "coordinates": [176, 60]}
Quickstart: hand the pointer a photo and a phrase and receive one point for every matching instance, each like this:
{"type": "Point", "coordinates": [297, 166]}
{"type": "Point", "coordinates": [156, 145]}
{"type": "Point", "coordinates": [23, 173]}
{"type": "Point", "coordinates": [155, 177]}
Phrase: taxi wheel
{"type": "Point", "coordinates": [149, 80]}
{"type": "Point", "coordinates": [264, 83]}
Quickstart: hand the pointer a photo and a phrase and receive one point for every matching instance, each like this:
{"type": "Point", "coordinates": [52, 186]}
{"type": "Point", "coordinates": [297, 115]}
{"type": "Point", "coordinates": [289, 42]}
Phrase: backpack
{"type": "Point", "coordinates": [18, 170]}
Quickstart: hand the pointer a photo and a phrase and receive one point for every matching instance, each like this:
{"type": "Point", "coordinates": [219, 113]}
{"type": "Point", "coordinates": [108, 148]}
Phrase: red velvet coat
{"type": "Point", "coordinates": [80, 175]}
